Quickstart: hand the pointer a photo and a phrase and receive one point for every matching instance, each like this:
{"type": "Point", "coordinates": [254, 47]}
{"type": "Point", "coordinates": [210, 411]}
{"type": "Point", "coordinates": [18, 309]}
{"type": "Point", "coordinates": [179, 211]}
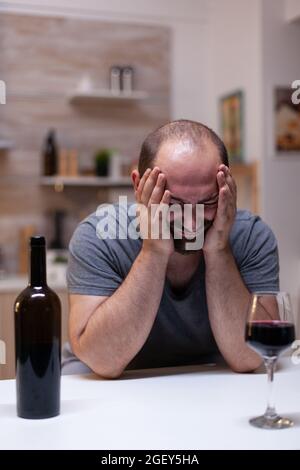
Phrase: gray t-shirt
{"type": "Point", "coordinates": [181, 333]}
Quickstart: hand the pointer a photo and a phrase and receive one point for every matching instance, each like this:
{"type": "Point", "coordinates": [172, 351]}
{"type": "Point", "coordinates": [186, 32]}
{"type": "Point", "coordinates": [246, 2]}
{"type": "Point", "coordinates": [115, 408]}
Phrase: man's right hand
{"type": "Point", "coordinates": [151, 191]}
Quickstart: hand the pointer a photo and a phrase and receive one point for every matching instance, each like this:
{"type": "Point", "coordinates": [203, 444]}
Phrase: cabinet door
{"type": "Point", "coordinates": [7, 330]}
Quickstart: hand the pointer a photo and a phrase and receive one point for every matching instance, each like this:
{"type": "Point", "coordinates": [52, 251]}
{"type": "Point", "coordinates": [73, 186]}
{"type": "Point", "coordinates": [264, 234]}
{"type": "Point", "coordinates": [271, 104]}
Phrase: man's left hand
{"type": "Point", "coordinates": [217, 236]}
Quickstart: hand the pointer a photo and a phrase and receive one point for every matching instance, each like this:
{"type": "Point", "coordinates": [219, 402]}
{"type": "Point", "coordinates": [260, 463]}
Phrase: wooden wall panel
{"type": "Point", "coordinates": [42, 61]}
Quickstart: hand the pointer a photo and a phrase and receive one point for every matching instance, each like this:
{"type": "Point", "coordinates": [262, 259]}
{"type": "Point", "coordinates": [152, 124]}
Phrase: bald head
{"type": "Point", "coordinates": [183, 133]}
{"type": "Point", "coordinates": [190, 169]}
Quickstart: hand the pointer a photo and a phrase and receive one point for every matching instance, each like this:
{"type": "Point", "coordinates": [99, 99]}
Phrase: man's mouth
{"type": "Point", "coordinates": [180, 243]}
{"type": "Point", "coordinates": [187, 235]}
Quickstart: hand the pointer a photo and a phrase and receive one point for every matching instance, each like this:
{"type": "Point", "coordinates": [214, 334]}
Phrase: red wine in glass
{"type": "Point", "coordinates": [270, 337]}
{"type": "Point", "coordinates": [269, 332]}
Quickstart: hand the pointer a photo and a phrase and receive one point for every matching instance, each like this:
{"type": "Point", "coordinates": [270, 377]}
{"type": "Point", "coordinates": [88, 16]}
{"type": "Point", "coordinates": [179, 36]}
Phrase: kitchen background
{"type": "Point", "coordinates": [48, 64]}
{"type": "Point", "coordinates": [180, 57]}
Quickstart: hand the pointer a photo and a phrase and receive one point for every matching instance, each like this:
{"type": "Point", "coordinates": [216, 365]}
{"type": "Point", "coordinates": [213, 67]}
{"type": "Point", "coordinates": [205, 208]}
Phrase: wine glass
{"type": "Point", "coordinates": [269, 331]}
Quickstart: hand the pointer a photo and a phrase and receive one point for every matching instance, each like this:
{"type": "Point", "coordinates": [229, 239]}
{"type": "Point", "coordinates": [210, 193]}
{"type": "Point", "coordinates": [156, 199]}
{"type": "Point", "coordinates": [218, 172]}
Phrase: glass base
{"type": "Point", "coordinates": [276, 422]}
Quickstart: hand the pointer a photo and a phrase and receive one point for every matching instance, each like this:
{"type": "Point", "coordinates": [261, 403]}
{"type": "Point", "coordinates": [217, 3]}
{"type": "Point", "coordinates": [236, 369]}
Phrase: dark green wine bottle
{"type": "Point", "coordinates": [38, 341]}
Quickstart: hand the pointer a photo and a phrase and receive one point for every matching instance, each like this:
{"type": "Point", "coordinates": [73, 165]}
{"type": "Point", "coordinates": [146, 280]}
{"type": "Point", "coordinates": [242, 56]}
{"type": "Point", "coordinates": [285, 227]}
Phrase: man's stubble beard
{"type": "Point", "coordinates": [180, 245]}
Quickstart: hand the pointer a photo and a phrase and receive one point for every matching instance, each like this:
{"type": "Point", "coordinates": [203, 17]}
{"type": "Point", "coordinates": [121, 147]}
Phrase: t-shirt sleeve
{"type": "Point", "coordinates": [91, 268]}
{"type": "Point", "coordinates": [259, 261]}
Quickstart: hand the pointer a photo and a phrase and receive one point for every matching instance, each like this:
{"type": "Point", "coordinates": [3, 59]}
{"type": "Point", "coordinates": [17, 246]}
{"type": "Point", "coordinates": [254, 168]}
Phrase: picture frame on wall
{"type": "Point", "coordinates": [287, 122]}
{"type": "Point", "coordinates": [232, 125]}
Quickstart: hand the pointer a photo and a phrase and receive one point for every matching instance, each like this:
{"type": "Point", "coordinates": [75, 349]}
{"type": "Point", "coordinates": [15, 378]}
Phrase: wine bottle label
{"type": "Point", "coordinates": [2, 353]}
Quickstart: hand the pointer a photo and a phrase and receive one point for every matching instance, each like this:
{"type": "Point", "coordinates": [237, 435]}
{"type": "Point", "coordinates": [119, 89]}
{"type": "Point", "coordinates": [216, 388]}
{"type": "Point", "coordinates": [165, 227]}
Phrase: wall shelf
{"type": "Point", "coordinates": [107, 95]}
{"type": "Point", "coordinates": [87, 181]}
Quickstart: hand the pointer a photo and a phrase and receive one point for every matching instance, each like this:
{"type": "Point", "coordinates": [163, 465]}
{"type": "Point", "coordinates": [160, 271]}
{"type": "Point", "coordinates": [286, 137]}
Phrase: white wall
{"type": "Point", "coordinates": [187, 20]}
{"type": "Point", "coordinates": [292, 10]}
{"type": "Point", "coordinates": [253, 47]}
{"type": "Point", "coordinates": [280, 175]}
{"type": "Point", "coordinates": [235, 63]}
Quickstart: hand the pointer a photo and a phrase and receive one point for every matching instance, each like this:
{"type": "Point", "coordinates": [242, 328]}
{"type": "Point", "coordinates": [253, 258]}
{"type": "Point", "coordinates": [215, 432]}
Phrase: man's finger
{"type": "Point", "coordinates": [223, 205]}
{"type": "Point", "coordinates": [229, 179]}
{"type": "Point", "coordinates": [149, 185]}
{"type": "Point", "coordinates": [158, 190]}
{"type": "Point", "coordinates": [166, 197]}
{"type": "Point", "coordinates": [221, 179]}
{"type": "Point", "coordinates": [165, 222]}
{"type": "Point", "coordinates": [142, 184]}
{"type": "Point", "coordinates": [232, 184]}
{"type": "Point", "coordinates": [224, 181]}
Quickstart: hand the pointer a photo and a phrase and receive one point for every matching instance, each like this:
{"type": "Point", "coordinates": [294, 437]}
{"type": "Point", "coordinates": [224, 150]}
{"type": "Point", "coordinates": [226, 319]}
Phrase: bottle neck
{"type": "Point", "coordinates": [38, 266]}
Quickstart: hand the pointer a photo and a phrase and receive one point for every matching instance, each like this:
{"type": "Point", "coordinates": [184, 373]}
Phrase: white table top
{"type": "Point", "coordinates": [194, 407]}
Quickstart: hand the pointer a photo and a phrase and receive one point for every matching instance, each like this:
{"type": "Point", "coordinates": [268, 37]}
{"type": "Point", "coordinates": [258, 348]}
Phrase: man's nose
{"type": "Point", "coordinates": [193, 219]}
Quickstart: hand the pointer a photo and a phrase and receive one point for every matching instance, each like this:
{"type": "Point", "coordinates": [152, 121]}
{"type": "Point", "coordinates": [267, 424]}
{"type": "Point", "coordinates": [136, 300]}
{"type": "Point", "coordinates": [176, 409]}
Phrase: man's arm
{"type": "Point", "coordinates": [227, 296]}
{"type": "Point", "coordinates": [117, 328]}
{"type": "Point", "coordinates": [106, 333]}
{"type": "Point", "coordinates": [228, 300]}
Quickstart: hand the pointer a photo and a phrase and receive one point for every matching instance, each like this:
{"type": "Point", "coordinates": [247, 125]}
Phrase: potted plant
{"type": "Point", "coordinates": [102, 159]}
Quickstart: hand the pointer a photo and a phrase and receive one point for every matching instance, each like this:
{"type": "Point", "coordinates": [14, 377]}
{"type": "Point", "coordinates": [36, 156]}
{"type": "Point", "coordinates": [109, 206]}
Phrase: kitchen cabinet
{"type": "Point", "coordinates": [7, 299]}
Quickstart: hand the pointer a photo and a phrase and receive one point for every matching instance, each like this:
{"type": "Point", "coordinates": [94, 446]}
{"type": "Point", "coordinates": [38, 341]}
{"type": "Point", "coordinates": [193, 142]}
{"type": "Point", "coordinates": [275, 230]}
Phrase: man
{"type": "Point", "coordinates": [145, 302]}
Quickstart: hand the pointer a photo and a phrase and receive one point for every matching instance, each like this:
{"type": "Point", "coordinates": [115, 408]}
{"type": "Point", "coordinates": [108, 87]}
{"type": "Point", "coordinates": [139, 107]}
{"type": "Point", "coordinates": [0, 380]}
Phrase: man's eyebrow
{"type": "Point", "coordinates": [209, 198]}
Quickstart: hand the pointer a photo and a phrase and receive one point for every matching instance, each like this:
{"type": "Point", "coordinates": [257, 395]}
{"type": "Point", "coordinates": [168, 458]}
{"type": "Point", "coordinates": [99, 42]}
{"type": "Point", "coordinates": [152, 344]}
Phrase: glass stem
{"type": "Point", "coordinates": [270, 363]}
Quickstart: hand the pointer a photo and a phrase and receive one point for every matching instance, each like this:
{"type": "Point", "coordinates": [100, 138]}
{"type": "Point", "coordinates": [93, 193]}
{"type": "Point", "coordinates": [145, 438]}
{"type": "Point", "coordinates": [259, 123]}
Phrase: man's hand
{"type": "Point", "coordinates": [217, 236]}
{"type": "Point", "coordinates": [151, 192]}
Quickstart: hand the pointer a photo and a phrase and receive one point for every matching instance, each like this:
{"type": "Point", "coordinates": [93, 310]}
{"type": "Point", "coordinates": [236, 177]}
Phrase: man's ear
{"type": "Point", "coordinates": [135, 177]}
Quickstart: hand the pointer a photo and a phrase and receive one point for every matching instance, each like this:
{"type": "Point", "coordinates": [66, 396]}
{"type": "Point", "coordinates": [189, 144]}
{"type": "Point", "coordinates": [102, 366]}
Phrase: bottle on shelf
{"type": "Point", "coordinates": [38, 341]}
{"type": "Point", "coordinates": [127, 79]}
{"type": "Point", "coordinates": [73, 163]}
{"type": "Point", "coordinates": [115, 79]}
{"type": "Point", "coordinates": [50, 154]}
{"type": "Point", "coordinates": [62, 163]}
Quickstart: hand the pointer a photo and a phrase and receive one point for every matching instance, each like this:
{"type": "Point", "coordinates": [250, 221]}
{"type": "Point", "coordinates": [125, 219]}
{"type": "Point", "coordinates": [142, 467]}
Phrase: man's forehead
{"type": "Point", "coordinates": [193, 194]}
{"type": "Point", "coordinates": [190, 177]}
{"type": "Point", "coordinates": [191, 172]}
{"type": "Point", "coordinates": [185, 159]}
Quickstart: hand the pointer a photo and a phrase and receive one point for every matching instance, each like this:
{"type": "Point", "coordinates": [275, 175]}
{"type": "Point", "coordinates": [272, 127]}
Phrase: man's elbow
{"type": "Point", "coordinates": [246, 366]}
{"type": "Point", "coordinates": [106, 371]}
{"type": "Point", "coordinates": [243, 369]}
